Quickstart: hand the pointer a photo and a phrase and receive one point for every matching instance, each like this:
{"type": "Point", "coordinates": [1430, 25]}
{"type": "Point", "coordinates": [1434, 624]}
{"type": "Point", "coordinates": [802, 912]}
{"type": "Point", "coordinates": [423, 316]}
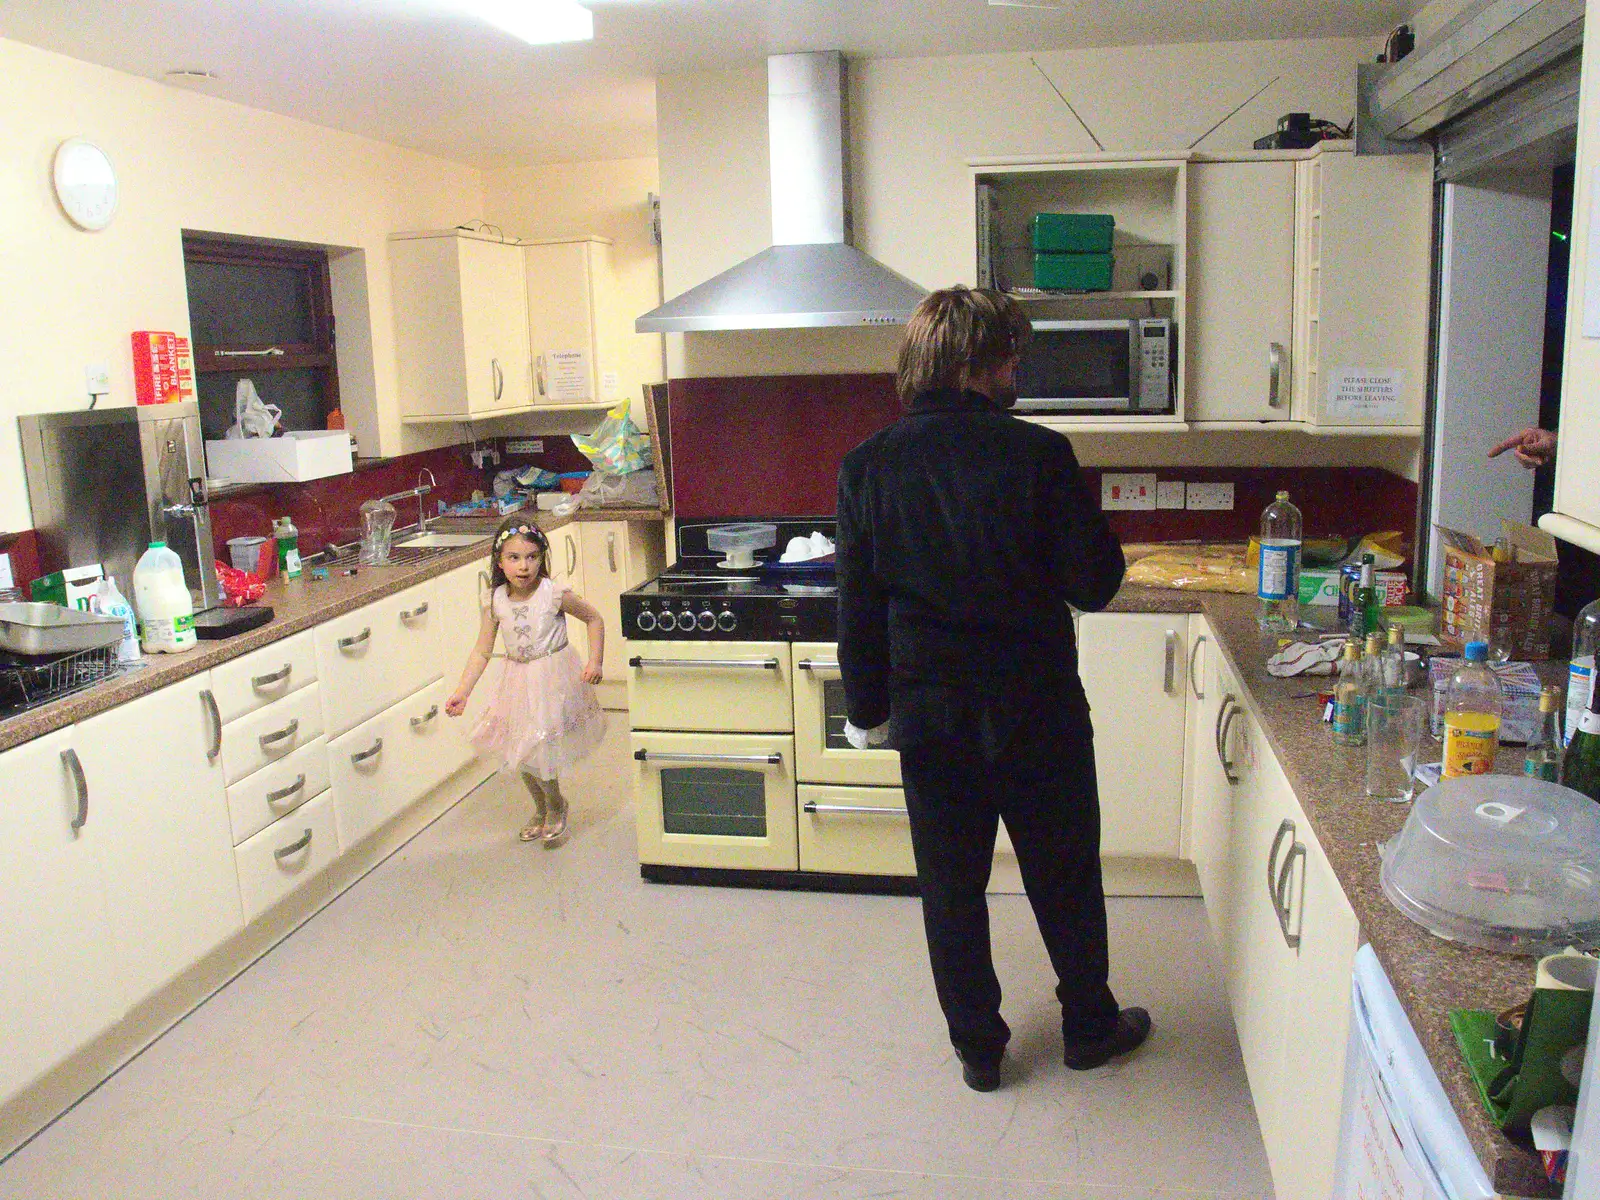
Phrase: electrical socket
{"type": "Point", "coordinates": [1128, 493]}
{"type": "Point", "coordinates": [1170, 494]}
{"type": "Point", "coordinates": [1210, 497]}
{"type": "Point", "coordinates": [97, 378]}
{"type": "Point", "coordinates": [485, 455]}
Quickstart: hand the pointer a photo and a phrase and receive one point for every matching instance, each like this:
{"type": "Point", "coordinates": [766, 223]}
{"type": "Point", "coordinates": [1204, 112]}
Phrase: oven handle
{"type": "Point", "coordinates": [748, 664]}
{"type": "Point", "coordinates": [649, 756]}
{"type": "Point", "coordinates": [852, 810]}
{"type": "Point", "coordinates": [817, 664]}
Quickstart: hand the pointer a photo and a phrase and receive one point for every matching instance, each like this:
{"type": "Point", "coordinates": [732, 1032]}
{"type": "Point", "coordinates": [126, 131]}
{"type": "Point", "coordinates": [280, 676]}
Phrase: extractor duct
{"type": "Point", "coordinates": [811, 277]}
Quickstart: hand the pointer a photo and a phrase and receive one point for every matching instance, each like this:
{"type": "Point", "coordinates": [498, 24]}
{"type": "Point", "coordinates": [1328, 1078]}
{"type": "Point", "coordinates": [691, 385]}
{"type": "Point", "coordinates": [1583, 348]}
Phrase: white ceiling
{"type": "Point", "coordinates": [412, 73]}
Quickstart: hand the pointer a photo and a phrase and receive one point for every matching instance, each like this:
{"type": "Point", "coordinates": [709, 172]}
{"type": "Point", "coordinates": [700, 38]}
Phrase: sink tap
{"type": "Point", "coordinates": [417, 493]}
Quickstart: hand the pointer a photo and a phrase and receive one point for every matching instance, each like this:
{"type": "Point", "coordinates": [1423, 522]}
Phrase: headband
{"type": "Point", "coordinates": [532, 532]}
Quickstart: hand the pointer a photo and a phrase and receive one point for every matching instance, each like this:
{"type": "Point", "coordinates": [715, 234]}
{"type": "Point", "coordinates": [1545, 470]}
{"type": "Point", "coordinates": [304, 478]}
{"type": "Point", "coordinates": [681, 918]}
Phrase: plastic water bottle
{"type": "Point", "coordinates": [112, 603]}
{"type": "Point", "coordinates": [1278, 577]}
{"type": "Point", "coordinates": [1472, 711]}
{"type": "Point", "coordinates": [1580, 674]}
{"type": "Point", "coordinates": [166, 610]}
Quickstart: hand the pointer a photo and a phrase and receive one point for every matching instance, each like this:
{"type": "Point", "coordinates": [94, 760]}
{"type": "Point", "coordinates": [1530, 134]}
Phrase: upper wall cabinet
{"type": "Point", "coordinates": [461, 326]}
{"type": "Point", "coordinates": [571, 322]}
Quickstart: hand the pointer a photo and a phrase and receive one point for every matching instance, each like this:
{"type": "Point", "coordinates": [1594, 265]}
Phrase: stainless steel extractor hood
{"type": "Point", "coordinates": [811, 277]}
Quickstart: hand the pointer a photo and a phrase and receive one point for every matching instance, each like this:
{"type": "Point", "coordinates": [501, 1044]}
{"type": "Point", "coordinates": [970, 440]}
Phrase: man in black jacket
{"type": "Point", "coordinates": [963, 536]}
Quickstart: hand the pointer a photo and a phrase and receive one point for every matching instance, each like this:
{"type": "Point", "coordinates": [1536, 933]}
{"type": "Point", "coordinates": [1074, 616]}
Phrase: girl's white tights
{"type": "Point", "coordinates": [549, 806]}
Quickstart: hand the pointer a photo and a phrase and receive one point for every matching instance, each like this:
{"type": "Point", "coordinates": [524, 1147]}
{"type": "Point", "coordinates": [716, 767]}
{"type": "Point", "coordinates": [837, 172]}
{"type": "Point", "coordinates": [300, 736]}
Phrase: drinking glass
{"type": "Point", "coordinates": [1394, 736]}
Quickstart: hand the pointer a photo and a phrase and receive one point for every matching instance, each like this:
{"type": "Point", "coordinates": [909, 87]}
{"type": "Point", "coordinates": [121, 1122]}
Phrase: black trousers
{"type": "Point", "coordinates": [1043, 787]}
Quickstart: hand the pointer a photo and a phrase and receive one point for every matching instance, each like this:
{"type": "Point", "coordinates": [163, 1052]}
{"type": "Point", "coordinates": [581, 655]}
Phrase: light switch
{"type": "Point", "coordinates": [1128, 493]}
{"type": "Point", "coordinates": [1170, 493]}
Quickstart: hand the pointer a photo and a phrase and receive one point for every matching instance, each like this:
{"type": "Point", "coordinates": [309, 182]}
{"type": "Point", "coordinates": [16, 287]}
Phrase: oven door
{"type": "Point", "coordinates": [741, 687]}
{"type": "Point", "coordinates": [716, 800]}
{"type": "Point", "coordinates": [1079, 367]}
{"type": "Point", "coordinates": [822, 755]}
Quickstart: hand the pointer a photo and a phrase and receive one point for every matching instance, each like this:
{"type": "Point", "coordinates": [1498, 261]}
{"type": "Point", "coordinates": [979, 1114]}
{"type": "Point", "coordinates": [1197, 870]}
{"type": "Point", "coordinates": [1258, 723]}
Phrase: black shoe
{"type": "Point", "coordinates": [980, 1076]}
{"type": "Point", "coordinates": [1133, 1026]}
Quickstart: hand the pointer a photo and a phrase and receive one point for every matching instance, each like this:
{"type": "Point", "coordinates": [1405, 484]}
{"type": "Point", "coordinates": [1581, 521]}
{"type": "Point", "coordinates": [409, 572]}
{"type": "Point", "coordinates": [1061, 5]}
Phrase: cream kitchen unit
{"type": "Point", "coordinates": [151, 851]}
{"type": "Point", "coordinates": [600, 560]}
{"type": "Point", "coordinates": [572, 321]}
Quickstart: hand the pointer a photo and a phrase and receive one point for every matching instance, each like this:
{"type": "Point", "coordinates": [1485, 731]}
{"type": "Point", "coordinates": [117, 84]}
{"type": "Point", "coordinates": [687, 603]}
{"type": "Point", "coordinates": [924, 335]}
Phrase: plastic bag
{"type": "Point", "coordinates": [1195, 569]}
{"type": "Point", "coordinates": [617, 445]}
{"type": "Point", "coordinates": [239, 587]}
{"type": "Point", "coordinates": [604, 490]}
{"type": "Point", "coordinates": [252, 417]}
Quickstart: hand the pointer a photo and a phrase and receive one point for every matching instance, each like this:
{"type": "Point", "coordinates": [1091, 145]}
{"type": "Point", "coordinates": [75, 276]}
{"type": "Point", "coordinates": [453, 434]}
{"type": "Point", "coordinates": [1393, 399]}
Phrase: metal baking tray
{"type": "Point", "coordinates": [39, 629]}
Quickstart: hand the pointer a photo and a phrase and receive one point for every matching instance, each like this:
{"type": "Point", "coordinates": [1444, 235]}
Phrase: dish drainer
{"type": "Point", "coordinates": [28, 683]}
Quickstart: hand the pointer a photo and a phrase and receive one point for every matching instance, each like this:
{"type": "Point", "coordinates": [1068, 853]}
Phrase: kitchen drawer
{"type": "Point", "coordinates": [262, 676]}
{"type": "Point", "coordinates": [371, 658]}
{"type": "Point", "coordinates": [740, 687]}
{"type": "Point", "coordinates": [387, 762]}
{"type": "Point", "coordinates": [271, 734]}
{"type": "Point", "coordinates": [286, 855]}
{"type": "Point", "coordinates": [261, 798]}
{"type": "Point", "coordinates": [854, 831]}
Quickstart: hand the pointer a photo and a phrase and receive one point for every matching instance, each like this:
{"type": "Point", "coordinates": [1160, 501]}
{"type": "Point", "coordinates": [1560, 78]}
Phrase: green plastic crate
{"type": "Point", "coordinates": [1072, 233]}
{"type": "Point", "coordinates": [1072, 272]}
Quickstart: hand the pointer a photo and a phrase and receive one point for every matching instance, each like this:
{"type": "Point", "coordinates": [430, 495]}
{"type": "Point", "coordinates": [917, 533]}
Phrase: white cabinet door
{"type": "Point", "coordinates": [566, 570]}
{"type": "Point", "coordinates": [494, 325]}
{"type": "Point", "coordinates": [59, 986]}
{"type": "Point", "coordinates": [1132, 667]}
{"type": "Point", "coordinates": [563, 281]}
{"type": "Point", "coordinates": [463, 595]}
{"type": "Point", "coordinates": [1241, 290]}
{"type": "Point", "coordinates": [153, 770]}
{"type": "Point", "coordinates": [1212, 695]}
{"type": "Point", "coordinates": [605, 565]}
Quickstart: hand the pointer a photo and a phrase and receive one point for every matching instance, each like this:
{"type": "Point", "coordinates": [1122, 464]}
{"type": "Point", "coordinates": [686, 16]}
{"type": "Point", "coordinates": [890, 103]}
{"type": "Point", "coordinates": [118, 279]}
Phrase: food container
{"type": "Point", "coordinates": [42, 629]}
{"type": "Point", "coordinates": [299, 455]}
{"type": "Point", "coordinates": [1502, 862]}
{"type": "Point", "coordinates": [245, 553]}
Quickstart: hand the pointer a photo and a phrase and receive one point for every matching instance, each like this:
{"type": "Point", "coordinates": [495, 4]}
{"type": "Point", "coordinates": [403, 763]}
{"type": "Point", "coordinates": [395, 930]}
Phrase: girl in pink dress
{"type": "Point", "coordinates": [543, 716]}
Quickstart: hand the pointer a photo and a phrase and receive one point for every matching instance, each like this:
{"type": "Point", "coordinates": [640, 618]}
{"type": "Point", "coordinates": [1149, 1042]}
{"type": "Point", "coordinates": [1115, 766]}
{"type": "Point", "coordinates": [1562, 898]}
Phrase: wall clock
{"type": "Point", "coordinates": [85, 183]}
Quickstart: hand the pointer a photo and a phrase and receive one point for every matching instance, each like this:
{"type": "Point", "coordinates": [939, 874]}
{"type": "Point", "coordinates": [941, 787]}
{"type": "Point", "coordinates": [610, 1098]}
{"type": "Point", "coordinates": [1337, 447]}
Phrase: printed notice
{"type": "Point", "coordinates": [569, 375]}
{"type": "Point", "coordinates": [1366, 397]}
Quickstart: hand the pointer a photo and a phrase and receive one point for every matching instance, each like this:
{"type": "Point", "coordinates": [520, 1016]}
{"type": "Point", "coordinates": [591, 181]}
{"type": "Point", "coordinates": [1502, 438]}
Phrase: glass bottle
{"type": "Point", "coordinates": [1278, 575]}
{"type": "Point", "coordinates": [1580, 767]}
{"type": "Point", "coordinates": [1361, 603]}
{"type": "Point", "coordinates": [1372, 664]}
{"type": "Point", "coordinates": [1544, 751]}
{"type": "Point", "coordinates": [1472, 710]}
{"type": "Point", "coordinates": [1580, 674]}
{"type": "Point", "coordinates": [1393, 669]}
{"type": "Point", "coordinates": [1350, 699]}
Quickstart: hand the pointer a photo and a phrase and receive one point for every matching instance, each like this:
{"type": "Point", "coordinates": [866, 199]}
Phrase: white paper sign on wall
{"type": "Point", "coordinates": [569, 375]}
{"type": "Point", "coordinates": [1366, 397]}
{"type": "Point", "coordinates": [1591, 263]}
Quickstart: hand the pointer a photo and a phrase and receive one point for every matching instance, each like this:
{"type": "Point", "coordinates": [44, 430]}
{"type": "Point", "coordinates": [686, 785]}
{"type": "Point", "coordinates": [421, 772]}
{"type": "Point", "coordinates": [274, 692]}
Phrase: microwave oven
{"type": "Point", "coordinates": [1123, 365]}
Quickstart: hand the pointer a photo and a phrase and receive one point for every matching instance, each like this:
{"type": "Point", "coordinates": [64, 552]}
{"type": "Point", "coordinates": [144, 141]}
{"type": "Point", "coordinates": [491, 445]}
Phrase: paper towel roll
{"type": "Point", "coordinates": [1566, 972]}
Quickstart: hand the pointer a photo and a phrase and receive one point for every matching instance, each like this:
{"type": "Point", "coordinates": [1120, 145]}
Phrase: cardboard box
{"type": "Point", "coordinates": [163, 368]}
{"type": "Point", "coordinates": [1507, 604]}
{"type": "Point", "coordinates": [1393, 589]}
{"type": "Point", "coordinates": [72, 588]}
{"type": "Point", "coordinates": [1519, 685]}
{"type": "Point", "coordinates": [1319, 586]}
{"type": "Point", "coordinates": [299, 455]}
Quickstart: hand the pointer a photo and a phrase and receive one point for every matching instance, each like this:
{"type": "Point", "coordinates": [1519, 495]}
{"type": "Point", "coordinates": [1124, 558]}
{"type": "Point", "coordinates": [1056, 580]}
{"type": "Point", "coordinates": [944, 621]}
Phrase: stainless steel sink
{"type": "Point", "coordinates": [442, 541]}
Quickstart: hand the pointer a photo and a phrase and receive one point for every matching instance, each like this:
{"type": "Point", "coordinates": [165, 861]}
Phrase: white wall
{"type": "Point", "coordinates": [184, 161]}
{"type": "Point", "coordinates": [1491, 354]}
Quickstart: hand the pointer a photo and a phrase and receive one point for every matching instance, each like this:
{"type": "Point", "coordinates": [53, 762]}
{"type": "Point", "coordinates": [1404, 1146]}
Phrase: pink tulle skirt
{"type": "Point", "coordinates": [542, 718]}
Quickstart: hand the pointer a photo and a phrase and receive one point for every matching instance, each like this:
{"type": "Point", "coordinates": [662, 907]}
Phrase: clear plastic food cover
{"type": "Point", "coordinates": [1502, 862]}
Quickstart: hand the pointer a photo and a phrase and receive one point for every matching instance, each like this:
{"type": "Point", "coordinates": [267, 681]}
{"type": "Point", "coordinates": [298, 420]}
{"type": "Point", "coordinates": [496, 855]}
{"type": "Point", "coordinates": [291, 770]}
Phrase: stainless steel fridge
{"type": "Point", "coordinates": [104, 483]}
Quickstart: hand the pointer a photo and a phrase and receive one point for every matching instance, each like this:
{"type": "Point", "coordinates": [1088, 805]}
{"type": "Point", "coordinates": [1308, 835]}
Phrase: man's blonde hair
{"type": "Point", "coordinates": [955, 333]}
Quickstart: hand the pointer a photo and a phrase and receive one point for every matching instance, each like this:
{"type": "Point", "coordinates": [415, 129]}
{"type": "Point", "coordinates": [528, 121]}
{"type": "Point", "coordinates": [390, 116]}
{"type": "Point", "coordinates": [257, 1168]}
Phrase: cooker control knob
{"type": "Point", "coordinates": [646, 620]}
{"type": "Point", "coordinates": [667, 621]}
{"type": "Point", "coordinates": [726, 621]}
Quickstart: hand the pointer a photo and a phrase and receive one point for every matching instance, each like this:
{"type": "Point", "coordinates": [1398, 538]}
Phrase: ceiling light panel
{"type": "Point", "coordinates": [538, 22]}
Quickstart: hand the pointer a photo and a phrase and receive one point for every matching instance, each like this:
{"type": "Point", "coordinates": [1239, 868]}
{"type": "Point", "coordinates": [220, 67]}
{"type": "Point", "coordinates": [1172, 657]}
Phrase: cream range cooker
{"type": "Point", "coordinates": [742, 773]}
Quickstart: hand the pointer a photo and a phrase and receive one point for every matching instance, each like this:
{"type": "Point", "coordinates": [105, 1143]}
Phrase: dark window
{"type": "Point", "coordinates": [263, 313]}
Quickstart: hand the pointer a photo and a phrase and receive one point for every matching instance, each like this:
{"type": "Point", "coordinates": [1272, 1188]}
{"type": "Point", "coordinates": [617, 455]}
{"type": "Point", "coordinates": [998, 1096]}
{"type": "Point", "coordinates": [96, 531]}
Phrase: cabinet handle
{"type": "Point", "coordinates": [355, 639]}
{"type": "Point", "coordinates": [852, 810]}
{"type": "Point", "coordinates": [80, 786]}
{"type": "Point", "coordinates": [261, 682]}
{"type": "Point", "coordinates": [1285, 830]}
{"type": "Point", "coordinates": [1194, 685]}
{"type": "Point", "coordinates": [650, 756]}
{"type": "Point", "coordinates": [499, 378]}
{"type": "Point", "coordinates": [1281, 897]}
{"type": "Point", "coordinates": [1232, 710]}
{"type": "Point", "coordinates": [1275, 375]}
{"type": "Point", "coordinates": [747, 664]}
{"type": "Point", "coordinates": [538, 372]}
{"type": "Point", "coordinates": [816, 664]}
{"type": "Point", "coordinates": [611, 551]}
{"type": "Point", "coordinates": [419, 722]}
{"type": "Point", "coordinates": [1169, 670]}
{"type": "Point", "coordinates": [210, 702]}
{"type": "Point", "coordinates": [362, 756]}
{"type": "Point", "coordinates": [411, 614]}
{"type": "Point", "coordinates": [269, 740]}
{"type": "Point", "coordinates": [282, 794]}
{"type": "Point", "coordinates": [293, 847]}
{"type": "Point", "coordinates": [572, 555]}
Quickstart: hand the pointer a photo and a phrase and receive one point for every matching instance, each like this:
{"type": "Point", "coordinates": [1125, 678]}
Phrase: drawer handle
{"type": "Point", "coordinates": [282, 794]}
{"type": "Point", "coordinates": [611, 551]}
{"type": "Point", "coordinates": [1230, 710]}
{"type": "Point", "coordinates": [817, 664]}
{"type": "Point", "coordinates": [269, 740]}
{"type": "Point", "coordinates": [215, 714]}
{"type": "Point", "coordinates": [362, 756]}
{"type": "Point", "coordinates": [650, 756]}
{"type": "Point", "coordinates": [1169, 668]}
{"type": "Point", "coordinates": [80, 786]}
{"type": "Point", "coordinates": [261, 682]}
{"type": "Point", "coordinates": [745, 664]}
{"type": "Point", "coordinates": [852, 810]}
{"type": "Point", "coordinates": [355, 639]}
{"type": "Point", "coordinates": [419, 722]}
{"type": "Point", "coordinates": [411, 614]}
{"type": "Point", "coordinates": [1194, 651]}
{"type": "Point", "coordinates": [293, 847]}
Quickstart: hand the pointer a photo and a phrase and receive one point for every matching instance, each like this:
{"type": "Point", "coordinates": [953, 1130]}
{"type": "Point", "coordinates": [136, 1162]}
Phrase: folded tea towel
{"type": "Point", "coordinates": [1305, 658]}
